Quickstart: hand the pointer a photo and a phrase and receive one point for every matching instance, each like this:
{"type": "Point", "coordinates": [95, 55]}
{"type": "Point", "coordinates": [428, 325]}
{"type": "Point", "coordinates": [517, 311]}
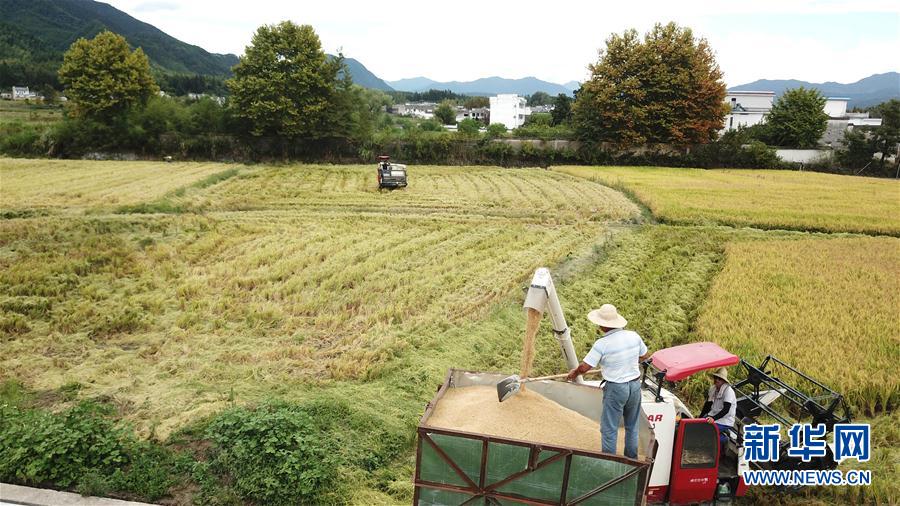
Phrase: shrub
{"type": "Point", "coordinates": [282, 453]}
{"type": "Point", "coordinates": [40, 447]}
{"type": "Point", "coordinates": [275, 454]}
{"type": "Point", "coordinates": [81, 447]}
{"type": "Point", "coordinates": [496, 130]}
{"type": "Point", "coordinates": [469, 127]}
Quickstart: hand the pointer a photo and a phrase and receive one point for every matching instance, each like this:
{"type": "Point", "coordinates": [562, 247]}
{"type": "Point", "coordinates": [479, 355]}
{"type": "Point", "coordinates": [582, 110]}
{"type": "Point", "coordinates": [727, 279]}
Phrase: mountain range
{"type": "Point", "coordinates": [871, 90]}
{"type": "Point", "coordinates": [486, 86]}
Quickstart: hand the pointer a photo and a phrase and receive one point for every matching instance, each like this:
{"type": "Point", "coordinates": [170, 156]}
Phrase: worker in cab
{"type": "Point", "coordinates": [618, 353]}
{"type": "Point", "coordinates": [721, 404]}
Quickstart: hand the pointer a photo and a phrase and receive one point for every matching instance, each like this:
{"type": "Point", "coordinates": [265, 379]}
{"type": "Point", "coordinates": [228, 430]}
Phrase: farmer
{"type": "Point", "coordinates": [618, 353]}
{"type": "Point", "coordinates": [721, 404]}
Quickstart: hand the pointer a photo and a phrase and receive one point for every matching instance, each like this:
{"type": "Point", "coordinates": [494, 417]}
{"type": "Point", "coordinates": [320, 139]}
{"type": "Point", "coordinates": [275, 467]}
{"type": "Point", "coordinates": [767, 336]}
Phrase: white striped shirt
{"type": "Point", "coordinates": [618, 353]}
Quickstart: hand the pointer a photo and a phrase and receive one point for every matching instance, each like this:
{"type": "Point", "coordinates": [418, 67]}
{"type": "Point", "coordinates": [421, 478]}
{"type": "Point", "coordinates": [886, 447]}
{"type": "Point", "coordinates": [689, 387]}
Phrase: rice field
{"type": "Point", "coordinates": [829, 304]}
{"type": "Point", "coordinates": [759, 198]}
{"type": "Point", "coordinates": [522, 194]}
{"type": "Point", "coordinates": [176, 291]}
{"type": "Point", "coordinates": [53, 185]}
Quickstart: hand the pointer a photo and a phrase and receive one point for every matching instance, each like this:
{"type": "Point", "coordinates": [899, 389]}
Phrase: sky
{"type": "Point", "coordinates": [462, 40]}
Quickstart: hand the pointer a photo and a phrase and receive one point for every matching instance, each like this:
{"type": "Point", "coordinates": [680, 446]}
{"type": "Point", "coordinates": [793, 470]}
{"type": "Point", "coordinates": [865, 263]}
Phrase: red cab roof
{"type": "Point", "coordinates": [679, 362]}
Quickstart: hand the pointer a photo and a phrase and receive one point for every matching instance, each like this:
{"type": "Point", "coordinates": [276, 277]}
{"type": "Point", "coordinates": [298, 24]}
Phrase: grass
{"type": "Point", "coordinates": [189, 301]}
{"type": "Point", "coordinates": [759, 198]}
{"type": "Point", "coordinates": [13, 111]}
{"type": "Point", "coordinates": [80, 184]}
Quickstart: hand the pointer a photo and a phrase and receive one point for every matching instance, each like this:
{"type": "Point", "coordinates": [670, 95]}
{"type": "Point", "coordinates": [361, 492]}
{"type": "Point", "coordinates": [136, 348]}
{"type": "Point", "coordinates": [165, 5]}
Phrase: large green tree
{"type": "Point", "coordinates": [285, 86]}
{"type": "Point", "coordinates": [887, 136]}
{"type": "Point", "coordinates": [797, 119]}
{"type": "Point", "coordinates": [445, 112]}
{"type": "Point", "coordinates": [666, 88]}
{"type": "Point", "coordinates": [562, 109]}
{"type": "Point", "coordinates": [104, 78]}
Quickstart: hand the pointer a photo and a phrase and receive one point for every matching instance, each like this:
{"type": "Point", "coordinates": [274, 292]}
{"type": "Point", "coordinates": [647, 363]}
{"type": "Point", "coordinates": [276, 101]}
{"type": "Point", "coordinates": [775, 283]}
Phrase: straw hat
{"type": "Point", "coordinates": [607, 316]}
{"type": "Point", "coordinates": [721, 373]}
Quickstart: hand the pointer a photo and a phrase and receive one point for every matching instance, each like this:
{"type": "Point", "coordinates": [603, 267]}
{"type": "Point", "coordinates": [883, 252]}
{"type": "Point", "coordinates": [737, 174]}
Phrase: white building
{"type": "Point", "coordinates": [836, 107]}
{"type": "Point", "coordinates": [22, 93]}
{"type": "Point", "coordinates": [509, 110]}
{"type": "Point", "coordinates": [479, 113]}
{"type": "Point", "coordinates": [748, 108]}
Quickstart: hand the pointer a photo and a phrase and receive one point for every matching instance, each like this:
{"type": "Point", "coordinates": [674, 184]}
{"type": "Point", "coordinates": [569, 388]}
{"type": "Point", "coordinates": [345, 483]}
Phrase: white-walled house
{"type": "Point", "coordinates": [748, 108]}
{"type": "Point", "coordinates": [22, 93]}
{"type": "Point", "coordinates": [509, 110]}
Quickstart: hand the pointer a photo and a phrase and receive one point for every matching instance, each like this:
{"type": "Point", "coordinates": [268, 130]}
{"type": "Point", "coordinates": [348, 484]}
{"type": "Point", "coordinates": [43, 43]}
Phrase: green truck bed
{"type": "Point", "coordinates": [456, 467]}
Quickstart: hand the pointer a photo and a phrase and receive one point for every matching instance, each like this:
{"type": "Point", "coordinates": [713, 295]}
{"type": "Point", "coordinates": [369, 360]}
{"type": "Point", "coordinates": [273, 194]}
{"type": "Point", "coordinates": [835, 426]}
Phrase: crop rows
{"type": "Point", "coordinates": [460, 191]}
{"type": "Point", "coordinates": [171, 313]}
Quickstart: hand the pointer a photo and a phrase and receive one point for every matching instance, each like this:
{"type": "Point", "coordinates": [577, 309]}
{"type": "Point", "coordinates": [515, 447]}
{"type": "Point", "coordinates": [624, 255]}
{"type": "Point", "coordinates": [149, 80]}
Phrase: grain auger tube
{"type": "Point", "coordinates": [540, 297]}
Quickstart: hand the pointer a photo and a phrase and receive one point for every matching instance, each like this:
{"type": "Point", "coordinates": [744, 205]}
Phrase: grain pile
{"type": "Point", "coordinates": [527, 415]}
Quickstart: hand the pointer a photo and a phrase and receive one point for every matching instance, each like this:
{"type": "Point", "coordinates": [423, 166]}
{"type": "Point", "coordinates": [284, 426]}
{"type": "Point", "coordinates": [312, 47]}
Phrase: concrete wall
{"type": "Point", "coordinates": [804, 155]}
{"type": "Point", "coordinates": [836, 107]}
{"type": "Point", "coordinates": [752, 99]}
{"type": "Point", "coordinates": [746, 119]}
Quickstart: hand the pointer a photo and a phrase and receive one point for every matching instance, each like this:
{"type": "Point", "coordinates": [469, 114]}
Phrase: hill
{"type": "Point", "coordinates": [871, 90]}
{"type": "Point", "coordinates": [53, 25]}
{"type": "Point", "coordinates": [485, 86]}
{"type": "Point", "coordinates": [364, 77]}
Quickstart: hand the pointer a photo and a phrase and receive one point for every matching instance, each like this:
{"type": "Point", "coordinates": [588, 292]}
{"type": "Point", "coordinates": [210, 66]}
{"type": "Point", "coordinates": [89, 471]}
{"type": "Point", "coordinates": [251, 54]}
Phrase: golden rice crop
{"type": "Point", "coordinates": [173, 315]}
{"type": "Point", "coordinates": [759, 198]}
{"type": "Point", "coordinates": [827, 306]}
{"type": "Point", "coordinates": [469, 191]}
{"type": "Point", "coordinates": [35, 184]}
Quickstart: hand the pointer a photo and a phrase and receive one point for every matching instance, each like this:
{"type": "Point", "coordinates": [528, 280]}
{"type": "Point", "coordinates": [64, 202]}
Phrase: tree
{"type": "Point", "coordinates": [887, 136]}
{"type": "Point", "coordinates": [562, 109]}
{"type": "Point", "coordinates": [445, 113]}
{"type": "Point", "coordinates": [858, 149]}
{"type": "Point", "coordinates": [476, 102]}
{"type": "Point", "coordinates": [539, 98]}
{"type": "Point", "coordinates": [496, 130]}
{"type": "Point", "coordinates": [665, 89]}
{"type": "Point", "coordinates": [104, 78]}
{"type": "Point", "coordinates": [469, 127]}
{"type": "Point", "coordinates": [285, 86]}
{"type": "Point", "coordinates": [797, 119]}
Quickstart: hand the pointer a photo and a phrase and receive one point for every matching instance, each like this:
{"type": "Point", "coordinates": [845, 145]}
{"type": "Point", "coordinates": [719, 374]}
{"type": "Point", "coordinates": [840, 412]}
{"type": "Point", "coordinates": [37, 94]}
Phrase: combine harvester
{"type": "Point", "coordinates": [681, 459]}
{"type": "Point", "coordinates": [390, 175]}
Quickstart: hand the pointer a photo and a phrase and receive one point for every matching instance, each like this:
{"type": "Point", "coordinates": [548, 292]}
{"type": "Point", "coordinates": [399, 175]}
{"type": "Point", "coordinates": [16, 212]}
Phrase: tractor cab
{"type": "Point", "coordinates": [694, 461]}
{"type": "Point", "coordinates": [390, 175]}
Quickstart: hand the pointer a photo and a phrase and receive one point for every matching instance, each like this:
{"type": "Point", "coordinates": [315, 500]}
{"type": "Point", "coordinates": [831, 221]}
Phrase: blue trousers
{"type": "Point", "coordinates": [620, 400]}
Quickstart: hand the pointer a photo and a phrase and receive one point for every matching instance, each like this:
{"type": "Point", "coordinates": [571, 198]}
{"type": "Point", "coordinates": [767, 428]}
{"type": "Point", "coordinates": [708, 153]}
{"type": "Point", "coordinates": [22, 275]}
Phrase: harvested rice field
{"type": "Point", "coordinates": [207, 307]}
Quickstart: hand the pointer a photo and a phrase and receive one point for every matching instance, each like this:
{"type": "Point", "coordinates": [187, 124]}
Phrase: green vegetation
{"type": "Point", "coordinates": [797, 119]}
{"type": "Point", "coordinates": [286, 86]}
{"type": "Point", "coordinates": [759, 198]}
{"type": "Point", "coordinates": [104, 79]}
